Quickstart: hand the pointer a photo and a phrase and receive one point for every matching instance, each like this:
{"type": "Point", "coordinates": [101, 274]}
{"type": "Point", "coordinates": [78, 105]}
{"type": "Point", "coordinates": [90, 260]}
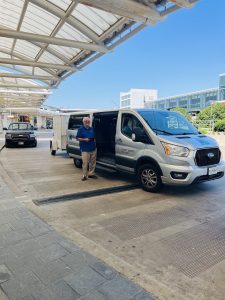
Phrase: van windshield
{"type": "Point", "coordinates": [168, 123]}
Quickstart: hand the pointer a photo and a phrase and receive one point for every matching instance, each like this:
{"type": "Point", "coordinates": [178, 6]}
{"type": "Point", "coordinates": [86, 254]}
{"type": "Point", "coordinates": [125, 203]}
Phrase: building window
{"type": "Point", "coordinates": [183, 103]}
{"type": "Point", "coordinates": [125, 103]}
{"type": "Point", "coordinates": [210, 99]}
{"type": "Point", "coordinates": [195, 103]}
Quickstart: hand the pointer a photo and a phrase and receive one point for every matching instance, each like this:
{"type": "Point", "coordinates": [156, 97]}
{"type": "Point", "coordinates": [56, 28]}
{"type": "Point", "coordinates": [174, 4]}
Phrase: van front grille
{"type": "Point", "coordinates": [207, 157]}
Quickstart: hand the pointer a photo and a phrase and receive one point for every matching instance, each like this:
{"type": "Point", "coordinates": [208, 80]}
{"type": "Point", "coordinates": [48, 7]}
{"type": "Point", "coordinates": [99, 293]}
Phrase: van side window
{"type": "Point", "coordinates": [75, 122]}
{"type": "Point", "coordinates": [126, 126]}
{"type": "Point", "coordinates": [129, 124]}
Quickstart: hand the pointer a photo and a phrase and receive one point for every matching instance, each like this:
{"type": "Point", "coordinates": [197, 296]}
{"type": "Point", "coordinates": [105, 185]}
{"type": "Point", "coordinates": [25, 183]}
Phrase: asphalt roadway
{"type": "Point", "coordinates": [171, 244]}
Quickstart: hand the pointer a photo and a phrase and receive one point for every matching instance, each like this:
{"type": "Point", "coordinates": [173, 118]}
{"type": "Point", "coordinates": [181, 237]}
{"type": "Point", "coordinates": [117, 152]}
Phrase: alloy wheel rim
{"type": "Point", "coordinates": [149, 177]}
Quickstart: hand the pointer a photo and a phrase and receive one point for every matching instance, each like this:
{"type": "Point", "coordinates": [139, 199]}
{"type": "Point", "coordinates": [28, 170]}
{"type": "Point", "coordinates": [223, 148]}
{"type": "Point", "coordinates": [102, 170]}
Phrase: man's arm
{"type": "Point", "coordinates": [80, 138]}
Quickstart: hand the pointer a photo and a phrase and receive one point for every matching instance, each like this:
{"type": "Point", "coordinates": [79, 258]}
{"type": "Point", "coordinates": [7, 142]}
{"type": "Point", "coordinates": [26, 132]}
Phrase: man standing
{"type": "Point", "coordinates": [86, 137]}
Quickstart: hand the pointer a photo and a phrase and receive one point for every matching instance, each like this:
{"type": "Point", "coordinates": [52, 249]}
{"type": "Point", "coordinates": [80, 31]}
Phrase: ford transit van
{"type": "Point", "coordinates": [158, 146]}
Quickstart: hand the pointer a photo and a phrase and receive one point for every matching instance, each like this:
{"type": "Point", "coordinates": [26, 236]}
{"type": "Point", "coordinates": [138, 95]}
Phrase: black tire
{"type": "Point", "coordinates": [77, 163]}
{"type": "Point", "coordinates": [149, 177]}
{"type": "Point", "coordinates": [34, 144]}
{"type": "Point", "coordinates": [7, 145]}
{"type": "Point", "coordinates": [53, 152]}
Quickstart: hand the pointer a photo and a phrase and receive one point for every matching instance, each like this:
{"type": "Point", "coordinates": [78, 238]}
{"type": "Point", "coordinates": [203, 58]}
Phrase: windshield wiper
{"type": "Point", "coordinates": [186, 133]}
{"type": "Point", "coordinates": [163, 131]}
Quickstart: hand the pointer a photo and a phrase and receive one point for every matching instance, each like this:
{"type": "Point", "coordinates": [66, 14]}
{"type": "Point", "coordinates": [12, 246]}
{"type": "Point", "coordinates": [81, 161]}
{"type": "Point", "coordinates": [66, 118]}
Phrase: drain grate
{"type": "Point", "coordinates": [86, 194]}
{"type": "Point", "coordinates": [137, 224]}
{"type": "Point", "coordinates": [197, 249]}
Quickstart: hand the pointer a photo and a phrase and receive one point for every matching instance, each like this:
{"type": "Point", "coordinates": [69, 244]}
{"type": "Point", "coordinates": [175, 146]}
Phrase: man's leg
{"type": "Point", "coordinates": [92, 163]}
{"type": "Point", "coordinates": [85, 159]}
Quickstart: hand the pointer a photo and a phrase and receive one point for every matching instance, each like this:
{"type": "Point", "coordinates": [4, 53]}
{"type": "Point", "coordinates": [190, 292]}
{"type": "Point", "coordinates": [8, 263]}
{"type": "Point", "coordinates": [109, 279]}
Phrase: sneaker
{"type": "Point", "coordinates": [84, 178]}
{"type": "Point", "coordinates": [92, 176]}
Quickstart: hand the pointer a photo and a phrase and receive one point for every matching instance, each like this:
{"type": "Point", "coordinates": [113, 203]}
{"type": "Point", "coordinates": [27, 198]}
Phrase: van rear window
{"type": "Point", "coordinates": [76, 122]}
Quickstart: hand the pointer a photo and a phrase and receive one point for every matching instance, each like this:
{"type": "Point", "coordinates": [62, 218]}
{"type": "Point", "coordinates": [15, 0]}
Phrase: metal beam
{"type": "Point", "coordinates": [24, 92]}
{"type": "Point", "coordinates": [24, 86]}
{"type": "Point", "coordinates": [55, 10]}
{"type": "Point", "coordinates": [57, 28]}
{"type": "Point", "coordinates": [126, 8]}
{"type": "Point", "coordinates": [37, 77]}
{"type": "Point", "coordinates": [51, 40]}
{"type": "Point", "coordinates": [24, 72]}
{"type": "Point", "coordinates": [36, 64]}
{"type": "Point", "coordinates": [183, 3]}
{"type": "Point", "coordinates": [22, 57]}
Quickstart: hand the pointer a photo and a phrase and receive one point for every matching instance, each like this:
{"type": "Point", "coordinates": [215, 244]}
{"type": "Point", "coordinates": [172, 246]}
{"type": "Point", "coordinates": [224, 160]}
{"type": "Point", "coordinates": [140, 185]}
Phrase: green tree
{"type": "Point", "coordinates": [214, 112]}
{"type": "Point", "coordinates": [182, 111]}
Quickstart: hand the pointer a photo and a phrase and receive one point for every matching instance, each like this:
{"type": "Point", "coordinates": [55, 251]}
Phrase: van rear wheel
{"type": "Point", "coordinates": [77, 162]}
{"type": "Point", "coordinates": [149, 177]}
{"type": "Point", "coordinates": [52, 151]}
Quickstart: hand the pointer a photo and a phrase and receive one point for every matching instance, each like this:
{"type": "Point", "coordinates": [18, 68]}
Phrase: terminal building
{"type": "Point", "coordinates": [137, 98]}
{"type": "Point", "coordinates": [193, 101]}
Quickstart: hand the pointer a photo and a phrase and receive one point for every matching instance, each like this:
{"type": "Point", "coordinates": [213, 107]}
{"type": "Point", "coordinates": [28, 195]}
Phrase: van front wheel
{"type": "Point", "coordinates": [149, 178]}
{"type": "Point", "coordinates": [77, 162]}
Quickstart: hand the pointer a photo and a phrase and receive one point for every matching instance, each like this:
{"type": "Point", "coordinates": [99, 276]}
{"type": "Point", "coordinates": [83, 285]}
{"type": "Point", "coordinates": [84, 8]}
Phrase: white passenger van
{"type": "Point", "coordinates": [159, 146]}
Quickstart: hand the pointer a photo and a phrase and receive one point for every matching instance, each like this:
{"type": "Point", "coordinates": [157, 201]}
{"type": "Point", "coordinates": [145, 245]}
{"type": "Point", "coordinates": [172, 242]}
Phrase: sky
{"type": "Point", "coordinates": [183, 53]}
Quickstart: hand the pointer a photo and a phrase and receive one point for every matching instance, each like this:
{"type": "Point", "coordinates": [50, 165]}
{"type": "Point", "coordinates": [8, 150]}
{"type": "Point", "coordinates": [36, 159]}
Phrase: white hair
{"type": "Point", "coordinates": [86, 119]}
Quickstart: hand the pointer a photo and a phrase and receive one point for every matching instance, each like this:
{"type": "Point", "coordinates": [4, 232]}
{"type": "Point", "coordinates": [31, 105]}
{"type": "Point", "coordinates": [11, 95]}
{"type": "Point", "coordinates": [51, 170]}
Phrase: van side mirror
{"type": "Point", "coordinates": [4, 128]}
{"type": "Point", "coordinates": [133, 137]}
{"type": "Point", "coordinates": [139, 135]}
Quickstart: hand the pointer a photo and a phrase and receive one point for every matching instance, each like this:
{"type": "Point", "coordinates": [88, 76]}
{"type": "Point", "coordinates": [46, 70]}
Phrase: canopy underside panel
{"type": "Point", "coordinates": [44, 42]}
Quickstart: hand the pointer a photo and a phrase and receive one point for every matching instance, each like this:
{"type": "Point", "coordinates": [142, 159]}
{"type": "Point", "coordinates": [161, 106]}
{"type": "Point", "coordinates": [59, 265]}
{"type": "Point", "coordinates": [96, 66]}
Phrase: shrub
{"type": "Point", "coordinates": [203, 130]}
{"type": "Point", "coordinates": [220, 125]}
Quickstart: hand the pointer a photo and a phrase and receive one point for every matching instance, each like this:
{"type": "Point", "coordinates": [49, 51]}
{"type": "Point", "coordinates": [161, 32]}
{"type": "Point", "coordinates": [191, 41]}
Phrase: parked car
{"type": "Point", "coordinates": [20, 133]}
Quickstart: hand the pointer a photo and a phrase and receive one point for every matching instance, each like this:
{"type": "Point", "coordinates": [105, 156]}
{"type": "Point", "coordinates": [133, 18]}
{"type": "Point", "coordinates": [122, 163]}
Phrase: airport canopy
{"type": "Point", "coordinates": [42, 42]}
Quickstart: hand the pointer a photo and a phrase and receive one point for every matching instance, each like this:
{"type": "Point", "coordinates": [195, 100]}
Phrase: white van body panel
{"type": "Point", "coordinates": [60, 125]}
{"type": "Point", "coordinates": [121, 151]}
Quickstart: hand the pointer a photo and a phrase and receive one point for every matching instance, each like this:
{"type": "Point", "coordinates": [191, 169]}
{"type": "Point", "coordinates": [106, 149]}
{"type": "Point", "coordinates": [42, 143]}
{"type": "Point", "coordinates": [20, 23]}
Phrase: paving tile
{"type": "Point", "coordinates": [49, 238]}
{"type": "Point", "coordinates": [52, 271]}
{"type": "Point", "coordinates": [25, 248]}
{"type": "Point", "coordinates": [69, 246]}
{"type": "Point", "coordinates": [84, 281]}
{"type": "Point", "coordinates": [4, 228]}
{"type": "Point", "coordinates": [18, 287]}
{"type": "Point", "coordinates": [27, 297]}
{"type": "Point", "coordinates": [5, 274]}
{"type": "Point", "coordinates": [35, 227]}
{"type": "Point", "coordinates": [119, 288]}
{"type": "Point", "coordinates": [78, 260]}
{"type": "Point", "coordinates": [13, 237]}
{"type": "Point", "coordinates": [63, 291]}
{"type": "Point", "coordinates": [19, 264]}
{"type": "Point", "coordinates": [93, 295]}
{"type": "Point", "coordinates": [143, 296]}
{"type": "Point", "coordinates": [104, 270]}
{"type": "Point", "coordinates": [51, 253]}
{"type": "Point", "coordinates": [41, 292]}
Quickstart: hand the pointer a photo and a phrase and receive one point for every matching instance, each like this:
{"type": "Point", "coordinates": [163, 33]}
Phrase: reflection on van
{"type": "Point", "coordinates": [159, 147]}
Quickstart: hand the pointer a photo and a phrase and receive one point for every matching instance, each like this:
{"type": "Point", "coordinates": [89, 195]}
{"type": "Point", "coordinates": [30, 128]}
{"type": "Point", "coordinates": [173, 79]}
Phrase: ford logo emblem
{"type": "Point", "coordinates": [210, 155]}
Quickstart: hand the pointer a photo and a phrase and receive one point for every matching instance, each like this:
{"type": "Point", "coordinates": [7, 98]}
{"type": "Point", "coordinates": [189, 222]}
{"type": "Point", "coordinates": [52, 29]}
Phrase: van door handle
{"type": "Point", "coordinates": [119, 140]}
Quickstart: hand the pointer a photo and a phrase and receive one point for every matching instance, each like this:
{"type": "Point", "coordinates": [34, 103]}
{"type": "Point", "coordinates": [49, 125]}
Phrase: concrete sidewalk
{"type": "Point", "coordinates": [38, 263]}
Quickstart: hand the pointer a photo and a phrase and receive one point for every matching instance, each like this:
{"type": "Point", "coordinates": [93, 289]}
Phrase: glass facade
{"type": "Point", "coordinates": [193, 102]}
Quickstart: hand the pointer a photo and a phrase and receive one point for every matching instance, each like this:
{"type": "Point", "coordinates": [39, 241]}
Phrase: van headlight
{"type": "Point", "coordinates": [175, 150]}
{"type": "Point", "coordinates": [32, 135]}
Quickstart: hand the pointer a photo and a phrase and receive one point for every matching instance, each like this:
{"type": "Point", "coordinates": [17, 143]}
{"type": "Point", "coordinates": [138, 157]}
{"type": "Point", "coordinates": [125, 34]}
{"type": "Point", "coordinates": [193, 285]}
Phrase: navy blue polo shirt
{"type": "Point", "coordinates": [86, 133]}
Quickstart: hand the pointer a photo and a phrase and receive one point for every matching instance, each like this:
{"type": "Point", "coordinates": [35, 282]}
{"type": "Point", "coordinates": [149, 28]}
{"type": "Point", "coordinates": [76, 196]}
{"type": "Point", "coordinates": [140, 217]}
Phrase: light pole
{"type": "Point", "coordinates": [211, 117]}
